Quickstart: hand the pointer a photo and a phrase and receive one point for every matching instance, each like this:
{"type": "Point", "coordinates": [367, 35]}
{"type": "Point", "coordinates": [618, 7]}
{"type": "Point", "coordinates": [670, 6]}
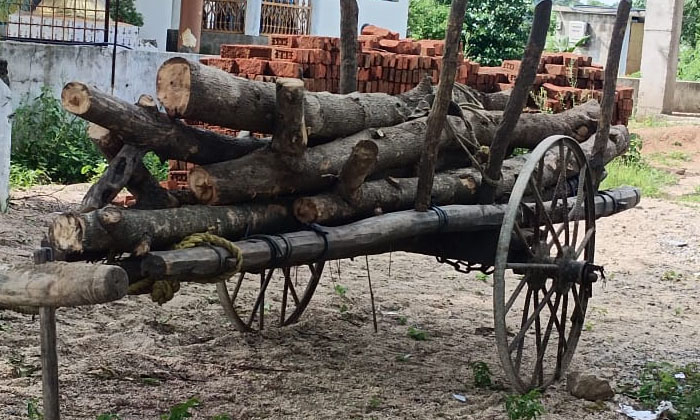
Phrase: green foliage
{"type": "Point", "coordinates": [33, 412]}
{"type": "Point", "coordinates": [690, 31]}
{"type": "Point", "coordinates": [639, 4]}
{"type": "Point", "coordinates": [482, 277]}
{"type": "Point", "coordinates": [181, 411]}
{"type": "Point", "coordinates": [524, 407]}
{"type": "Point", "coordinates": [665, 382]}
{"type": "Point", "coordinates": [540, 100]}
{"type": "Point", "coordinates": [417, 334]}
{"type": "Point", "coordinates": [21, 177]}
{"type": "Point", "coordinates": [108, 417]}
{"type": "Point", "coordinates": [562, 44]}
{"type": "Point", "coordinates": [222, 417]}
{"type": "Point", "coordinates": [494, 30]}
{"type": "Point", "coordinates": [157, 168]}
{"type": "Point", "coordinates": [672, 276]}
{"type": "Point", "coordinates": [47, 139]}
{"type": "Point", "coordinates": [427, 19]}
{"type": "Point", "coordinates": [482, 375]}
{"type": "Point", "coordinates": [127, 12]}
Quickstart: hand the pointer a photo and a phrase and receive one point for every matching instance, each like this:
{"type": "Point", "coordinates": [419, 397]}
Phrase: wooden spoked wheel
{"type": "Point", "coordinates": [280, 294]}
{"type": "Point", "coordinates": [544, 266]}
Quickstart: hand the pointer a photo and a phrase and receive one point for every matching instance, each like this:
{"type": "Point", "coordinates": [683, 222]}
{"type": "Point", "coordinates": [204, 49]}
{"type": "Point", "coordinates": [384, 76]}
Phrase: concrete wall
{"type": "Point", "coordinates": [325, 15]}
{"type": "Point", "coordinates": [32, 66]}
{"type": "Point", "coordinates": [634, 54]}
{"type": "Point", "coordinates": [212, 41]}
{"type": "Point", "coordinates": [686, 98]}
{"type": "Point", "coordinates": [157, 19]}
{"type": "Point", "coordinates": [599, 28]}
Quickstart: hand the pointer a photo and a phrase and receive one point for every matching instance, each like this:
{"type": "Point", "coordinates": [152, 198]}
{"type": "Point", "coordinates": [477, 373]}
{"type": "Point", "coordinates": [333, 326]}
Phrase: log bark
{"type": "Point", "coordinates": [348, 45]}
{"type": "Point", "coordinates": [153, 131]}
{"type": "Point", "coordinates": [126, 170]}
{"type": "Point", "coordinates": [609, 85]}
{"type": "Point", "coordinates": [518, 98]}
{"type": "Point", "coordinates": [454, 187]}
{"type": "Point", "coordinates": [358, 167]}
{"type": "Point", "coordinates": [197, 92]}
{"type": "Point", "coordinates": [60, 284]}
{"type": "Point", "coordinates": [290, 136]}
{"type": "Point", "coordinates": [438, 114]}
{"type": "Point", "coordinates": [263, 174]}
{"type": "Point", "coordinates": [139, 231]}
{"type": "Point", "coordinates": [375, 235]}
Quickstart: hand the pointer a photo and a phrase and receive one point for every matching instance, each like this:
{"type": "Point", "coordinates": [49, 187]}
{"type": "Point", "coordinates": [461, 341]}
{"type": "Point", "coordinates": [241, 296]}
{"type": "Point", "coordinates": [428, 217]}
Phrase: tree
{"type": "Point", "coordinates": [494, 30]}
{"type": "Point", "coordinates": [127, 12]}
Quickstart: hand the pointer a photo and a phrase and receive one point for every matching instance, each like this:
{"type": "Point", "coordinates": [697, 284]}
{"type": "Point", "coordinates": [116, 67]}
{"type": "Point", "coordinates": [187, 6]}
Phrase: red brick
{"type": "Point", "coordinates": [511, 65]}
{"type": "Point", "coordinates": [246, 51]}
{"type": "Point", "coordinates": [226, 64]}
{"type": "Point", "coordinates": [626, 92]}
{"type": "Point", "coordinates": [285, 69]}
{"type": "Point", "coordinates": [289, 41]}
{"type": "Point", "coordinates": [380, 32]}
{"type": "Point", "coordinates": [369, 41]}
{"type": "Point", "coordinates": [557, 69]}
{"type": "Point", "coordinates": [251, 66]}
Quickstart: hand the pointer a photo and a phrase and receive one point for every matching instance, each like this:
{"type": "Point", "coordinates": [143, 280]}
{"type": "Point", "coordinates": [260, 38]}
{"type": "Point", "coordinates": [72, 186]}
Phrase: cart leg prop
{"type": "Point", "coordinates": [49, 363]}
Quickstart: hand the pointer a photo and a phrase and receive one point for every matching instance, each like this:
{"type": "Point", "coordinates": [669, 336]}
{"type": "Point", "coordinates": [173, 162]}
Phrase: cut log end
{"type": "Point", "coordinates": [202, 186]}
{"type": "Point", "coordinates": [173, 84]}
{"type": "Point", "coordinates": [66, 233]}
{"type": "Point", "coordinates": [75, 98]}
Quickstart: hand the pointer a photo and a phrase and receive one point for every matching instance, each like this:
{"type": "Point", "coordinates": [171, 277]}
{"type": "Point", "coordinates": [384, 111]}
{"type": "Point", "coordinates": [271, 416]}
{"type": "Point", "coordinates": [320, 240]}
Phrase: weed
{"type": "Point", "coordinates": [150, 381]}
{"type": "Point", "coordinates": [650, 121]}
{"type": "Point", "coordinates": [540, 100]}
{"type": "Point", "coordinates": [33, 412]}
{"type": "Point", "coordinates": [181, 411]}
{"type": "Point", "coordinates": [374, 403]}
{"type": "Point", "coordinates": [572, 75]}
{"type": "Point", "coordinates": [482, 375]}
{"type": "Point", "coordinates": [47, 139]}
{"type": "Point", "coordinates": [524, 407]}
{"type": "Point", "coordinates": [417, 334]}
{"type": "Point", "coordinates": [671, 159]}
{"type": "Point", "coordinates": [222, 417]}
{"type": "Point", "coordinates": [666, 382]}
{"type": "Point", "coordinates": [157, 167]}
{"type": "Point", "coordinates": [678, 311]}
{"type": "Point", "coordinates": [693, 197]}
{"type": "Point", "coordinates": [108, 417]}
{"type": "Point", "coordinates": [671, 275]}
{"type": "Point", "coordinates": [21, 177]}
{"type": "Point", "coordinates": [588, 326]}
{"type": "Point", "coordinates": [340, 290]}
{"type": "Point", "coordinates": [484, 278]}
{"type": "Point", "coordinates": [403, 320]}
{"type": "Point", "coordinates": [650, 180]}
{"type": "Point", "coordinates": [20, 368]}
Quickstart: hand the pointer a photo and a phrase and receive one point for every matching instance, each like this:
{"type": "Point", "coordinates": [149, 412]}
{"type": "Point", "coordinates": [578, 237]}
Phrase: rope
{"type": "Point", "coordinates": [163, 291]}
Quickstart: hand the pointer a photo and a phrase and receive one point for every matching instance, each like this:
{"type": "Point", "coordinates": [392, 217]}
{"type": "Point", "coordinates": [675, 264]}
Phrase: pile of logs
{"type": "Point", "coordinates": [329, 159]}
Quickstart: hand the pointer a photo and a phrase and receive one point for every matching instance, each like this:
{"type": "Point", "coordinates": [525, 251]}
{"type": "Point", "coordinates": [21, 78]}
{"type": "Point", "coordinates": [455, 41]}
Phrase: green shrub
{"type": "Point", "coordinates": [21, 177]}
{"type": "Point", "coordinates": [47, 139]}
{"type": "Point", "coordinates": [524, 407]}
{"type": "Point", "coordinates": [665, 382]}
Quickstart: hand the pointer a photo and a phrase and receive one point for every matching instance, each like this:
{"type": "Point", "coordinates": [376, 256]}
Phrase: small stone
{"type": "Point", "coordinates": [680, 171]}
{"type": "Point", "coordinates": [589, 387]}
{"type": "Point", "coordinates": [677, 243]}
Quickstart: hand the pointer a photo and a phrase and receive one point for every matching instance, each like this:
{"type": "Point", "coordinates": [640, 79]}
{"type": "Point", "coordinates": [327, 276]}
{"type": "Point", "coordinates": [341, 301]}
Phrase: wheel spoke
{"type": "Point", "coordinates": [538, 335]}
{"type": "Point", "coordinates": [547, 219]}
{"type": "Point", "coordinates": [578, 315]}
{"type": "Point", "coordinates": [260, 301]}
{"type": "Point", "coordinates": [526, 310]}
{"type": "Point", "coordinates": [564, 196]}
{"type": "Point", "coordinates": [285, 289]}
{"type": "Point", "coordinates": [528, 324]}
{"type": "Point", "coordinates": [521, 235]}
{"type": "Point", "coordinates": [574, 214]}
{"type": "Point", "coordinates": [292, 290]}
{"type": "Point", "coordinates": [562, 346]}
{"type": "Point", "coordinates": [539, 370]}
{"type": "Point", "coordinates": [585, 241]}
{"type": "Point", "coordinates": [234, 295]}
{"type": "Point", "coordinates": [515, 294]}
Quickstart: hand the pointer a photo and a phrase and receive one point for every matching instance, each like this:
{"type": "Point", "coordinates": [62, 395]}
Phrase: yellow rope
{"type": "Point", "coordinates": [163, 291]}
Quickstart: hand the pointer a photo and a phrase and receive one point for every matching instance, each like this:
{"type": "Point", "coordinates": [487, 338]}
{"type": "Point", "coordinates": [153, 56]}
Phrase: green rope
{"type": "Point", "coordinates": [163, 291]}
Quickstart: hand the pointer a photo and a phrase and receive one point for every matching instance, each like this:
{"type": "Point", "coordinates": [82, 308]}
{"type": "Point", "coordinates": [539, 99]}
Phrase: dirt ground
{"type": "Point", "coordinates": [136, 359]}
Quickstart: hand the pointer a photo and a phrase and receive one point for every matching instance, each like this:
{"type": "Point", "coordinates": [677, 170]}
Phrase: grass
{"type": "Point", "coordinates": [650, 180]}
{"type": "Point", "coordinates": [417, 334]}
{"type": "Point", "coordinates": [482, 375]}
{"type": "Point", "coordinates": [651, 121]}
{"type": "Point", "coordinates": [666, 382]}
{"type": "Point", "coordinates": [671, 158]}
{"type": "Point", "coordinates": [693, 197]}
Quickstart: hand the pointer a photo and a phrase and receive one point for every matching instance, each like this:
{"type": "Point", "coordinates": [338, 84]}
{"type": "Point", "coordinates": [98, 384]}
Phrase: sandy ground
{"type": "Point", "coordinates": [137, 359]}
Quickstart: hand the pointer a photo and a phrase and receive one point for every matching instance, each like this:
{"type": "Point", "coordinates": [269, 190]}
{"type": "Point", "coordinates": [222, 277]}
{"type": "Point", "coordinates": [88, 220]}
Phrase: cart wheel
{"type": "Point", "coordinates": [544, 266]}
{"type": "Point", "coordinates": [252, 300]}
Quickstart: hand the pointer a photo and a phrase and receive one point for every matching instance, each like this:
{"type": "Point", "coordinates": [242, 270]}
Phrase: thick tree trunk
{"type": "Point", "coordinates": [348, 45]}
{"type": "Point", "coordinates": [197, 92]}
{"type": "Point", "coordinates": [290, 136]}
{"type": "Point", "coordinates": [153, 131]}
{"type": "Point", "coordinates": [454, 187]}
{"type": "Point", "coordinates": [126, 170]}
{"type": "Point", "coordinates": [139, 231]}
{"type": "Point", "coordinates": [438, 113]}
{"type": "Point", "coordinates": [375, 235]}
{"type": "Point", "coordinates": [358, 167]}
{"type": "Point", "coordinates": [263, 174]}
{"type": "Point", "coordinates": [60, 284]}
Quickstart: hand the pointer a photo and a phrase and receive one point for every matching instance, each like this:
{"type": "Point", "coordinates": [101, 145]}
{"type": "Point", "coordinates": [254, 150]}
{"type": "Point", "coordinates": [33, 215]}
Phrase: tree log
{"type": "Point", "coordinates": [375, 235]}
{"type": "Point", "coordinates": [358, 167]}
{"type": "Point", "coordinates": [454, 187]}
{"type": "Point", "coordinates": [197, 92]}
{"type": "Point", "coordinates": [153, 131]}
{"type": "Point", "coordinates": [60, 284]}
{"type": "Point", "coordinates": [139, 231]}
{"type": "Point", "coordinates": [263, 174]}
{"type": "Point", "coordinates": [348, 45]}
{"type": "Point", "coordinates": [290, 136]}
{"type": "Point", "coordinates": [438, 113]}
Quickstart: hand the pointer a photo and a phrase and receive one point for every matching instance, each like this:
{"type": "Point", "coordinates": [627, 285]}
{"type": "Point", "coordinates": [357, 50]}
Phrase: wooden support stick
{"type": "Point", "coordinates": [518, 98]}
{"type": "Point", "coordinates": [290, 138]}
{"type": "Point", "coordinates": [348, 45]}
{"type": "Point", "coordinates": [49, 363]}
{"type": "Point", "coordinates": [358, 167]}
{"type": "Point", "coordinates": [609, 85]}
{"type": "Point", "coordinates": [438, 113]}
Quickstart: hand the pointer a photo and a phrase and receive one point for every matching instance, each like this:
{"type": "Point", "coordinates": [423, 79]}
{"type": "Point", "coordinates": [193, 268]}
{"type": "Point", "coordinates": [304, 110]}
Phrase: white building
{"type": "Point", "coordinates": [262, 17]}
